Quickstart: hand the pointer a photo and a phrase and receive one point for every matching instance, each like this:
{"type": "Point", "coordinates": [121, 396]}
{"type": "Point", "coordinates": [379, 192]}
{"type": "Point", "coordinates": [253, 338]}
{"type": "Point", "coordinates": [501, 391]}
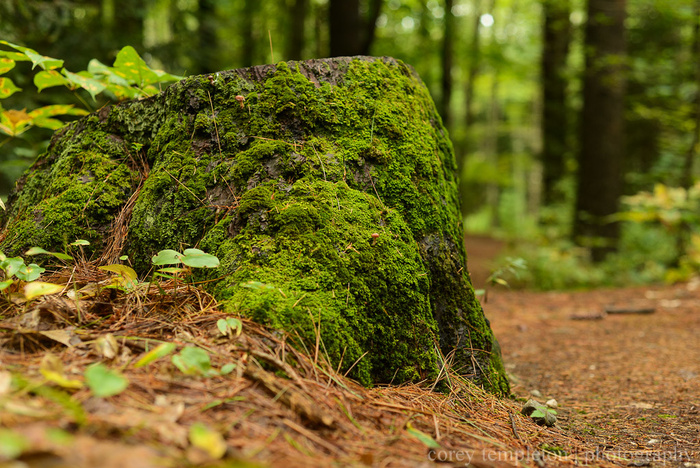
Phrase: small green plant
{"type": "Point", "coordinates": [512, 267]}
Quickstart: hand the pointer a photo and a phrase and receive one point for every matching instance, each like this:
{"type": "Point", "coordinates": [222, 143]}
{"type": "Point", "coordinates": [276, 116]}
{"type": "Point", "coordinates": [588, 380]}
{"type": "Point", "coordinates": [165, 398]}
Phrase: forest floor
{"type": "Point", "coordinates": [623, 364]}
{"type": "Point", "coordinates": [626, 385]}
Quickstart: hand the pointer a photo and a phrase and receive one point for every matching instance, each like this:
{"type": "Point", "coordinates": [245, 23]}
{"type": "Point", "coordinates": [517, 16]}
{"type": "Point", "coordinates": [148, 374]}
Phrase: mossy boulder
{"type": "Point", "coordinates": [326, 188]}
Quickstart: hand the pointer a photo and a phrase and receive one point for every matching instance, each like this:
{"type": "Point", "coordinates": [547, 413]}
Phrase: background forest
{"type": "Point", "coordinates": [575, 122]}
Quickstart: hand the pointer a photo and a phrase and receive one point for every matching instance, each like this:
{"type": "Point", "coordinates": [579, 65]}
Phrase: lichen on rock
{"type": "Point", "coordinates": [326, 188]}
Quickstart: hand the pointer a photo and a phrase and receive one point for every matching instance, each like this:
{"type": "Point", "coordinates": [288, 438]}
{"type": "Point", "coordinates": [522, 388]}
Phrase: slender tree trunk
{"type": "Point", "coordinates": [206, 61]}
{"type": "Point", "coordinates": [345, 27]}
{"type": "Point", "coordinates": [249, 34]}
{"type": "Point", "coordinates": [447, 62]}
{"type": "Point", "coordinates": [297, 14]}
{"type": "Point", "coordinates": [473, 66]}
{"type": "Point", "coordinates": [600, 177]}
{"type": "Point", "coordinates": [375, 9]}
{"type": "Point", "coordinates": [555, 121]}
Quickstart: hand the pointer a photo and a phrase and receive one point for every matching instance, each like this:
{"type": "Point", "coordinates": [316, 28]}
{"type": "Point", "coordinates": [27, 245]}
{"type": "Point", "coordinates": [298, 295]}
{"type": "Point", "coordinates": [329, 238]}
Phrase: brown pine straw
{"type": "Point", "coordinates": [283, 405]}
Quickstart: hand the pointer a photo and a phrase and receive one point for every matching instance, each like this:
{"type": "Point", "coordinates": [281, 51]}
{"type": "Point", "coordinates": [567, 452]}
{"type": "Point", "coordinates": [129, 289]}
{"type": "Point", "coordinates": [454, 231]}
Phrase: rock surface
{"type": "Point", "coordinates": [326, 188]}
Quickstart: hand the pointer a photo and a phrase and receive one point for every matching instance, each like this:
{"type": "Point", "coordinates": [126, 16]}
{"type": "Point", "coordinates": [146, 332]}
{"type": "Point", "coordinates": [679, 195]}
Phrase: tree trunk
{"type": "Point", "coordinates": [472, 66]}
{"type": "Point", "coordinates": [208, 53]}
{"type": "Point", "coordinates": [447, 62]}
{"type": "Point", "coordinates": [327, 189]}
{"type": "Point", "coordinates": [555, 121]}
{"type": "Point", "coordinates": [600, 177]}
{"type": "Point", "coordinates": [297, 14]}
{"type": "Point", "coordinates": [249, 33]}
{"type": "Point", "coordinates": [345, 27]}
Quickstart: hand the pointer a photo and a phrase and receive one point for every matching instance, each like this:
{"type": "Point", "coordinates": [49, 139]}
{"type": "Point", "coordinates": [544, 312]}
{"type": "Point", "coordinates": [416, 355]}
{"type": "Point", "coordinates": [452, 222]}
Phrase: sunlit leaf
{"type": "Point", "coordinates": [39, 288]}
{"type": "Point", "coordinates": [39, 251]}
{"type": "Point", "coordinates": [130, 66]}
{"type": "Point", "coordinates": [6, 64]}
{"type": "Point", "coordinates": [6, 284]}
{"type": "Point", "coordinates": [123, 270]}
{"type": "Point", "coordinates": [49, 78]}
{"type": "Point", "coordinates": [208, 440]}
{"type": "Point", "coordinates": [11, 265]}
{"type": "Point", "coordinates": [7, 88]}
{"type": "Point", "coordinates": [104, 382]}
{"type": "Point", "coordinates": [196, 258]}
{"type": "Point", "coordinates": [86, 81]}
{"type": "Point", "coordinates": [228, 325]}
{"type": "Point", "coordinates": [80, 242]}
{"type": "Point", "coordinates": [171, 270]}
{"type": "Point", "coordinates": [166, 257]}
{"type": "Point", "coordinates": [2, 204]}
{"type": "Point", "coordinates": [156, 353]}
{"type": "Point", "coordinates": [14, 122]}
{"type": "Point", "coordinates": [424, 438]}
{"type": "Point", "coordinates": [30, 272]}
{"type": "Point", "coordinates": [193, 361]}
{"type": "Point", "coordinates": [57, 109]}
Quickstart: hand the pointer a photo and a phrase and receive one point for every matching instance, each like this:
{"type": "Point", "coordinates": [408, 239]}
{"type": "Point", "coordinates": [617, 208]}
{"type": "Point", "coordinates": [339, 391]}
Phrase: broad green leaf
{"type": "Point", "coordinates": [193, 361]}
{"type": "Point", "coordinates": [424, 438]}
{"type": "Point", "coordinates": [227, 368]}
{"type": "Point", "coordinates": [156, 353]}
{"type": "Point", "coordinates": [30, 272]}
{"type": "Point", "coordinates": [104, 382]}
{"type": "Point", "coordinates": [49, 78]}
{"type": "Point", "coordinates": [11, 265]}
{"type": "Point", "coordinates": [57, 109]}
{"type": "Point", "coordinates": [166, 257]}
{"type": "Point", "coordinates": [208, 440]}
{"type": "Point", "coordinates": [39, 288]}
{"type": "Point", "coordinates": [80, 242]}
{"type": "Point", "coordinates": [6, 64]}
{"type": "Point", "coordinates": [5, 284]}
{"type": "Point", "coordinates": [130, 66]}
{"type": "Point", "coordinates": [14, 56]}
{"type": "Point", "coordinates": [47, 63]}
{"type": "Point", "coordinates": [86, 81]}
{"type": "Point", "coordinates": [196, 258]}
{"type": "Point", "coordinates": [7, 88]}
{"type": "Point", "coordinates": [122, 270]}
{"type": "Point", "coordinates": [39, 251]}
{"type": "Point", "coordinates": [228, 325]}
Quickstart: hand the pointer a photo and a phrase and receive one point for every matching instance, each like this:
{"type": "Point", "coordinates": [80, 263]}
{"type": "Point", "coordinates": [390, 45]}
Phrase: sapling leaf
{"type": "Point", "coordinates": [156, 353]}
{"type": "Point", "coordinates": [6, 284]}
{"type": "Point", "coordinates": [80, 242]}
{"type": "Point", "coordinates": [192, 361]}
{"type": "Point", "coordinates": [39, 288]}
{"type": "Point", "coordinates": [196, 258]}
{"type": "Point", "coordinates": [39, 251]}
{"type": "Point", "coordinates": [6, 64]}
{"type": "Point", "coordinates": [166, 257]}
{"type": "Point", "coordinates": [30, 272]}
{"type": "Point", "coordinates": [228, 325]}
{"type": "Point", "coordinates": [49, 78]}
{"type": "Point", "coordinates": [7, 88]}
{"type": "Point", "coordinates": [104, 382]}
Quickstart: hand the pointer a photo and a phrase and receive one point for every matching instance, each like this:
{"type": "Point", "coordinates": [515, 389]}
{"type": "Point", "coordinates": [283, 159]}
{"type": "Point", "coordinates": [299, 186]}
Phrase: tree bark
{"type": "Point", "coordinates": [297, 14]}
{"type": "Point", "coordinates": [600, 176]}
{"type": "Point", "coordinates": [345, 27]}
{"type": "Point", "coordinates": [447, 63]}
{"type": "Point", "coordinates": [327, 189]}
{"type": "Point", "coordinates": [555, 119]}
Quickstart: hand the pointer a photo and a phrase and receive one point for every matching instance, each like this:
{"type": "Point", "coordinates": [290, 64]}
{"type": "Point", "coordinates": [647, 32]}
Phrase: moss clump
{"type": "Point", "coordinates": [329, 195]}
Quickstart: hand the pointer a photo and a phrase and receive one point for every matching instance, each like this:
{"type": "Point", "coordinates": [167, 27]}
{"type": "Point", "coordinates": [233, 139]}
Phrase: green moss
{"type": "Point", "coordinates": [288, 190]}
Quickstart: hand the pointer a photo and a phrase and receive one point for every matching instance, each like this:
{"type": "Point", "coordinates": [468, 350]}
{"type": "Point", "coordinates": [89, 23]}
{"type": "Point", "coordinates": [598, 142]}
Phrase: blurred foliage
{"type": "Point", "coordinates": [497, 150]}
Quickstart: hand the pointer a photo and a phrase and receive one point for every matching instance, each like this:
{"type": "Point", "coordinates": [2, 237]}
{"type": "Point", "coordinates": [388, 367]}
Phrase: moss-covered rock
{"type": "Point", "coordinates": [327, 189]}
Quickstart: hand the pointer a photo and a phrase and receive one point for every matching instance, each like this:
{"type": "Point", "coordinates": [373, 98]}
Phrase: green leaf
{"type": "Point", "coordinates": [130, 66]}
{"type": "Point", "coordinates": [12, 444]}
{"type": "Point", "coordinates": [104, 382]}
{"type": "Point", "coordinates": [39, 288]}
{"type": "Point", "coordinates": [124, 271]}
{"type": "Point", "coordinates": [196, 258]}
{"type": "Point", "coordinates": [39, 251]}
{"type": "Point", "coordinates": [7, 88]}
{"type": "Point", "coordinates": [6, 284]}
{"type": "Point", "coordinates": [171, 270]}
{"type": "Point", "coordinates": [193, 361]}
{"type": "Point", "coordinates": [227, 368]}
{"type": "Point", "coordinates": [49, 78]}
{"type": "Point", "coordinates": [166, 257]}
{"type": "Point", "coordinates": [30, 272]}
{"type": "Point", "coordinates": [86, 81]}
{"type": "Point", "coordinates": [80, 242]}
{"type": "Point", "coordinates": [11, 265]}
{"type": "Point", "coordinates": [6, 64]}
{"type": "Point", "coordinates": [2, 204]}
{"type": "Point", "coordinates": [228, 325]}
{"type": "Point", "coordinates": [156, 353]}
{"type": "Point", "coordinates": [47, 63]}
{"type": "Point", "coordinates": [208, 440]}
{"type": "Point", "coordinates": [424, 438]}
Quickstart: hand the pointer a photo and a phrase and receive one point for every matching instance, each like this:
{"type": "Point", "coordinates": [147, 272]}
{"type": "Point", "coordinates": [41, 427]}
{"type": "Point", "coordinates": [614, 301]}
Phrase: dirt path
{"type": "Point", "coordinates": [630, 382]}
